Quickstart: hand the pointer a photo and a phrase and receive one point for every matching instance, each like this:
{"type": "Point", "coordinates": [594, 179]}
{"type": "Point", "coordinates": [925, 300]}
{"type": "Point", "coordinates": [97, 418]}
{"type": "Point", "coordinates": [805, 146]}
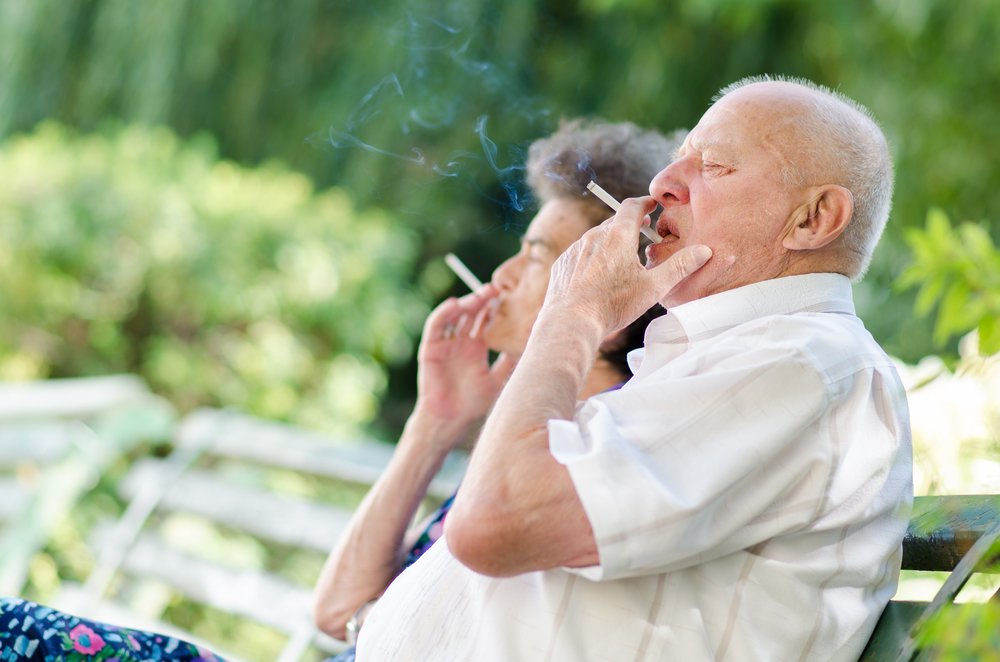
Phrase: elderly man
{"type": "Point", "coordinates": [744, 496]}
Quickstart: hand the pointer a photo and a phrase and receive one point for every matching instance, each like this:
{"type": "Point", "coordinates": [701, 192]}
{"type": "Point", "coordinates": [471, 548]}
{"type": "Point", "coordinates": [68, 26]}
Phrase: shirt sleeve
{"type": "Point", "coordinates": [677, 471]}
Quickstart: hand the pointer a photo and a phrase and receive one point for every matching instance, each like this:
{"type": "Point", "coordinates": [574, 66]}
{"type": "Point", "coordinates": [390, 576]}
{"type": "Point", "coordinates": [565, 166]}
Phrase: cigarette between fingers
{"type": "Point", "coordinates": [609, 200]}
{"type": "Point", "coordinates": [462, 271]}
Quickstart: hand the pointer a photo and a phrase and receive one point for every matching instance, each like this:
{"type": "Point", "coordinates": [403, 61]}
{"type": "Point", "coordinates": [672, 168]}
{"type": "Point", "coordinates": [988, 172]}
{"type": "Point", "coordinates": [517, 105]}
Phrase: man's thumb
{"type": "Point", "coordinates": [682, 264]}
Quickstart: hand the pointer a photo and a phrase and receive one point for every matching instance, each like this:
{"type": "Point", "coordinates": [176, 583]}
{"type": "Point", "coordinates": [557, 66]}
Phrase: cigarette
{"type": "Point", "coordinates": [462, 272]}
{"type": "Point", "coordinates": [607, 199]}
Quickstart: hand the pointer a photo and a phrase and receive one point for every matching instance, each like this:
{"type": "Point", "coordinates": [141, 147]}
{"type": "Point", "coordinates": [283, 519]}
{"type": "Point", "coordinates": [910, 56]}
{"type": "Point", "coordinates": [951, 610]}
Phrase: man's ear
{"type": "Point", "coordinates": [821, 220]}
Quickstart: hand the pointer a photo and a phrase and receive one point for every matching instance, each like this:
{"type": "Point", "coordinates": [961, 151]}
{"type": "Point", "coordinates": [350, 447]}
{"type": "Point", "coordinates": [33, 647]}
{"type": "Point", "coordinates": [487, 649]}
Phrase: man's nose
{"type": "Point", "coordinates": [668, 186]}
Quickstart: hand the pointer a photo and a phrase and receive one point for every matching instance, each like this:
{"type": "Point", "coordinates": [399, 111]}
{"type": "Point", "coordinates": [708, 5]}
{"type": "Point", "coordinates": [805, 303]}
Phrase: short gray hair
{"type": "Point", "coordinates": [844, 139]}
{"type": "Point", "coordinates": [622, 157]}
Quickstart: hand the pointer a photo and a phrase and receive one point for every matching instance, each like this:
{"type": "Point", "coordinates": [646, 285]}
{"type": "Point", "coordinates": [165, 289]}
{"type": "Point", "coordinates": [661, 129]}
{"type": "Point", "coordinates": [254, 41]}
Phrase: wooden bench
{"type": "Point", "coordinates": [956, 534]}
{"type": "Point", "coordinates": [79, 398]}
{"type": "Point", "coordinates": [269, 499]}
{"type": "Point", "coordinates": [56, 438]}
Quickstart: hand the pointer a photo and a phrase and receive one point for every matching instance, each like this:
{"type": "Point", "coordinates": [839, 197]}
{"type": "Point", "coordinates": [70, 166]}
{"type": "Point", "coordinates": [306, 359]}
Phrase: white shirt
{"type": "Point", "coordinates": [748, 491]}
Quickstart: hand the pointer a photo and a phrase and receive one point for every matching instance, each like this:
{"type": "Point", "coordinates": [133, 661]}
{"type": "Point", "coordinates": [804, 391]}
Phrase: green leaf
{"type": "Point", "coordinates": [928, 295]}
{"type": "Point", "coordinates": [989, 335]}
{"type": "Point", "coordinates": [938, 227]}
{"type": "Point", "coordinates": [951, 314]}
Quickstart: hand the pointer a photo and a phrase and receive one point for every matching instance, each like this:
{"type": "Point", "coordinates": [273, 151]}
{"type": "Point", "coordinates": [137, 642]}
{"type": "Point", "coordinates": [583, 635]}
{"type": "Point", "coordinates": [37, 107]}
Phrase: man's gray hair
{"type": "Point", "coordinates": [841, 141]}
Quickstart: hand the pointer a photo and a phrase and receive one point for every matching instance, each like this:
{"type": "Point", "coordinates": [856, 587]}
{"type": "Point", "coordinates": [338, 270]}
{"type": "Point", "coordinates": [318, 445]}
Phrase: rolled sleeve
{"type": "Point", "coordinates": [679, 471]}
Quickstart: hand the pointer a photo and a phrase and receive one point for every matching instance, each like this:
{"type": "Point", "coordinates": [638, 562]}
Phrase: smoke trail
{"type": "Point", "coordinates": [367, 109]}
{"type": "Point", "coordinates": [339, 140]}
{"type": "Point", "coordinates": [431, 91]}
{"type": "Point", "coordinates": [506, 176]}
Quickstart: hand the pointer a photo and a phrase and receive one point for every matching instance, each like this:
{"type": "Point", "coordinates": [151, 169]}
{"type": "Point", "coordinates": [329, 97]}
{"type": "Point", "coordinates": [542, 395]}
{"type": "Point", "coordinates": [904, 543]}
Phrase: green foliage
{"type": "Point", "coordinates": [131, 251]}
{"type": "Point", "coordinates": [372, 96]}
{"type": "Point", "coordinates": [957, 271]}
{"type": "Point", "coordinates": [964, 633]}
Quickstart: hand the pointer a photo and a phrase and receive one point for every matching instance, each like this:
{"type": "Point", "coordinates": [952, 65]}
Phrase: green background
{"type": "Point", "coordinates": [208, 168]}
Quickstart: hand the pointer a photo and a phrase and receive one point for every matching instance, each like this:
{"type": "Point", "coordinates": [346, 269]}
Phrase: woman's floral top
{"type": "Point", "coordinates": [30, 631]}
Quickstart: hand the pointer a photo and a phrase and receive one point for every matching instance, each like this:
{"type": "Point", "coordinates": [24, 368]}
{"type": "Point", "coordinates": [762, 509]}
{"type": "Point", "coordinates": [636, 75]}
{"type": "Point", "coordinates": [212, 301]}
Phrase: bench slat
{"type": "Point", "coordinates": [273, 517]}
{"type": "Point", "coordinates": [943, 528]}
{"type": "Point", "coordinates": [73, 599]}
{"type": "Point", "coordinates": [243, 437]}
{"type": "Point", "coordinates": [892, 630]}
{"type": "Point", "coordinates": [37, 442]}
{"type": "Point", "coordinates": [254, 595]}
{"type": "Point", "coordinates": [69, 398]}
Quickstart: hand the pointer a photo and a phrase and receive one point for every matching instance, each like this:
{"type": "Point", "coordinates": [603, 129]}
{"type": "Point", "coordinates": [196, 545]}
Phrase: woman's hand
{"type": "Point", "coordinates": [455, 379]}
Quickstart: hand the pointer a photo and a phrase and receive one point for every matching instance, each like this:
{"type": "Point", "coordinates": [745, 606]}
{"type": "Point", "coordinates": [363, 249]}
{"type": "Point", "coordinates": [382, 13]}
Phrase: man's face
{"type": "Point", "coordinates": [725, 190]}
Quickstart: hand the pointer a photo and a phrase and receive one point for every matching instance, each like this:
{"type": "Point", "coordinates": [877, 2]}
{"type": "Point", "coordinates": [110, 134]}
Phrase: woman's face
{"type": "Point", "coordinates": [521, 281]}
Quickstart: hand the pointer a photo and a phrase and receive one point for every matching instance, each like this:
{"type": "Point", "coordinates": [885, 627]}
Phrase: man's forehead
{"type": "Point", "coordinates": [718, 128]}
{"type": "Point", "coordinates": [735, 133]}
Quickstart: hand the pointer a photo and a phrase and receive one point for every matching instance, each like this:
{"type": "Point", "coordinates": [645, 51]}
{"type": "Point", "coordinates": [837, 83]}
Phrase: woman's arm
{"type": "Point", "coordinates": [456, 386]}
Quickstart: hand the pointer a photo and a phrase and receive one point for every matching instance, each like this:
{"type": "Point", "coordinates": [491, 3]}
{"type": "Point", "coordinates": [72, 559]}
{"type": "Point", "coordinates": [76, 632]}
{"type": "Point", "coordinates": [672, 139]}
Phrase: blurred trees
{"type": "Point", "coordinates": [422, 110]}
{"type": "Point", "coordinates": [129, 251]}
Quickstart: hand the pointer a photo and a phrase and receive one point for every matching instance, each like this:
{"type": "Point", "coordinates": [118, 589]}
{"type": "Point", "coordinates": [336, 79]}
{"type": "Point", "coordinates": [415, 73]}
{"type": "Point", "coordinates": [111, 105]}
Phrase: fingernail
{"type": "Point", "coordinates": [701, 254]}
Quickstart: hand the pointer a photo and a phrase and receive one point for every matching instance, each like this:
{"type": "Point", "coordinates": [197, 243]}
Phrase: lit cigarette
{"type": "Point", "coordinates": [606, 198]}
{"type": "Point", "coordinates": [462, 271]}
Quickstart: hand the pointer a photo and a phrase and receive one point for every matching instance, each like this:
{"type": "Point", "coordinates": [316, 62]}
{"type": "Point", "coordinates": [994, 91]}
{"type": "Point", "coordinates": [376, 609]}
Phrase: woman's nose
{"type": "Point", "coordinates": [505, 275]}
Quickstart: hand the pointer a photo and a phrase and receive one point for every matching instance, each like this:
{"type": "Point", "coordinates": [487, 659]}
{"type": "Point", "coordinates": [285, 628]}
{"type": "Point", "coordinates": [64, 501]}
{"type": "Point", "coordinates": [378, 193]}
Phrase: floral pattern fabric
{"type": "Point", "coordinates": [430, 534]}
{"type": "Point", "coordinates": [29, 631]}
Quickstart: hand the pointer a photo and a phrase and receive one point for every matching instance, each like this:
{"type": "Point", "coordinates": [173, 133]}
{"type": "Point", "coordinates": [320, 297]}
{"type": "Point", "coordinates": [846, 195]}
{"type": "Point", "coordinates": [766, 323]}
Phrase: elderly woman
{"type": "Point", "coordinates": [457, 383]}
{"type": "Point", "coordinates": [456, 386]}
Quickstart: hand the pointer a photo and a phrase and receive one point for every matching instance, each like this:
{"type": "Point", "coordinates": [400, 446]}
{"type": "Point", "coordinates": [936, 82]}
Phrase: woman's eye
{"type": "Point", "coordinates": [536, 254]}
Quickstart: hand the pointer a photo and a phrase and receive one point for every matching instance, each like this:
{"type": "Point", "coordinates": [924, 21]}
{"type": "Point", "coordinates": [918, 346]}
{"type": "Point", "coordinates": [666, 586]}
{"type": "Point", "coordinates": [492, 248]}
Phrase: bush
{"type": "Point", "coordinates": [957, 270]}
{"type": "Point", "coordinates": [129, 251]}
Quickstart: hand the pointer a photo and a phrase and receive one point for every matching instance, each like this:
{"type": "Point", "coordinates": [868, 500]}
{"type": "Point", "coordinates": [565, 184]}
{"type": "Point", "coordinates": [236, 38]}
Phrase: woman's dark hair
{"type": "Point", "coordinates": [616, 349]}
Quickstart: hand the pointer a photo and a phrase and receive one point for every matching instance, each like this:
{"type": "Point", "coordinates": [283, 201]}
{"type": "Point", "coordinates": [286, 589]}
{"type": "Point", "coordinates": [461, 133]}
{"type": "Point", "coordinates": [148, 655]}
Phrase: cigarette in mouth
{"type": "Point", "coordinates": [462, 271]}
{"type": "Point", "coordinates": [607, 199]}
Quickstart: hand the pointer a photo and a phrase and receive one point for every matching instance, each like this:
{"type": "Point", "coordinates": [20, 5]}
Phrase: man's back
{"type": "Point", "coordinates": [747, 491]}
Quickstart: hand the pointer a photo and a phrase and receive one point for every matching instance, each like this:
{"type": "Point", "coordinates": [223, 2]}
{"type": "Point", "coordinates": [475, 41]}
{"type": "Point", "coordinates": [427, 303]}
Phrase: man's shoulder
{"type": "Point", "coordinates": [822, 339]}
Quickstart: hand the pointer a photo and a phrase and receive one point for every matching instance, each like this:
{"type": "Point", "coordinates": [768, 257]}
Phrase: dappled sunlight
{"type": "Point", "coordinates": [955, 418]}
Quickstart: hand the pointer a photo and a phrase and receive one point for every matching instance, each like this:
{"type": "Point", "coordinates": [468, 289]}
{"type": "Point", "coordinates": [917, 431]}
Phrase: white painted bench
{"type": "Point", "coordinates": [79, 398]}
{"type": "Point", "coordinates": [271, 498]}
{"type": "Point", "coordinates": [56, 437]}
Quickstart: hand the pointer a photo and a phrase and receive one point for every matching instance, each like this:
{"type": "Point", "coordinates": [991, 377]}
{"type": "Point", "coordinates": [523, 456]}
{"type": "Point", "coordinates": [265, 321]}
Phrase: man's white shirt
{"type": "Point", "coordinates": [748, 490]}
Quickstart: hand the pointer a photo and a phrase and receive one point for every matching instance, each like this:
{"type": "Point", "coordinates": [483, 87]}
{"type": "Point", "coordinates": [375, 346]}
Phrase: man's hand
{"type": "Point", "coordinates": [455, 379]}
{"type": "Point", "coordinates": [601, 278]}
{"type": "Point", "coordinates": [517, 509]}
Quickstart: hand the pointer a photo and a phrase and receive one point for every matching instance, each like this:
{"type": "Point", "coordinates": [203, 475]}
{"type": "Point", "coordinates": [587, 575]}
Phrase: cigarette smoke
{"type": "Point", "coordinates": [399, 114]}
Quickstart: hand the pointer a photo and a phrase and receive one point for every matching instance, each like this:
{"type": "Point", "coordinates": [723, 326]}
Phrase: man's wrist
{"type": "Point", "coordinates": [565, 322]}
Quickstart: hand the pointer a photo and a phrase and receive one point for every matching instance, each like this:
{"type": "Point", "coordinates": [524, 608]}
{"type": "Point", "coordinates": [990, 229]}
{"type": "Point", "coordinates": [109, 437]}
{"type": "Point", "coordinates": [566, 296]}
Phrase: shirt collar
{"type": "Point", "coordinates": [821, 292]}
